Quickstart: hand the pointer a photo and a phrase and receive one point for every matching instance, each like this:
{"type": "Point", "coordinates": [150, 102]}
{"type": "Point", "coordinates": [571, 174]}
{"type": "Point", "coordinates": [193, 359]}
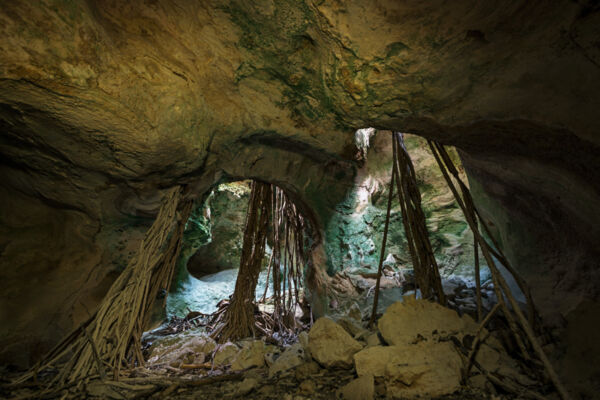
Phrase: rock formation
{"type": "Point", "coordinates": [105, 104]}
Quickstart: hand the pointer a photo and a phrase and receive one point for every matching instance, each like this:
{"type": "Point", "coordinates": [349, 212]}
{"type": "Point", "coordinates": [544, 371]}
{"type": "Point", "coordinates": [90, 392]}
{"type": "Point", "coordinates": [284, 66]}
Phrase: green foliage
{"type": "Point", "coordinates": [197, 230]}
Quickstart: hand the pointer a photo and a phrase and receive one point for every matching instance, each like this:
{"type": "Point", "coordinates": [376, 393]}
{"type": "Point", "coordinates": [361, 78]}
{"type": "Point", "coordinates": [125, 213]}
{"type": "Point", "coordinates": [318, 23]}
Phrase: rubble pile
{"type": "Point", "coordinates": [419, 349]}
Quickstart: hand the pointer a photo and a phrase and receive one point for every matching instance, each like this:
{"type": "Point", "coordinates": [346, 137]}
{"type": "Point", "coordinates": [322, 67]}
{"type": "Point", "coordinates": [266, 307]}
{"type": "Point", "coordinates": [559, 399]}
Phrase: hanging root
{"type": "Point", "coordinates": [110, 339]}
{"type": "Point", "coordinates": [270, 212]}
{"type": "Point", "coordinates": [425, 266]}
{"type": "Point", "coordinates": [239, 317]}
{"type": "Point", "coordinates": [382, 254]}
{"type": "Point", "coordinates": [521, 328]}
{"type": "Point", "coordinates": [288, 229]}
{"type": "Point", "coordinates": [427, 274]}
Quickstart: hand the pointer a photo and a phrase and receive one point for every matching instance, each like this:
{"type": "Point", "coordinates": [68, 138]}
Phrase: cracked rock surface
{"type": "Point", "coordinates": [104, 104]}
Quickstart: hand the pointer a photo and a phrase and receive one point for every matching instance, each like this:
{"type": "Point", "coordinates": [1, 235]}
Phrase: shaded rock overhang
{"type": "Point", "coordinates": [105, 103]}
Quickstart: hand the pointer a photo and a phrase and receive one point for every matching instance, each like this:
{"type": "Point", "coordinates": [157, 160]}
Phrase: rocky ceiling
{"type": "Point", "coordinates": [105, 103]}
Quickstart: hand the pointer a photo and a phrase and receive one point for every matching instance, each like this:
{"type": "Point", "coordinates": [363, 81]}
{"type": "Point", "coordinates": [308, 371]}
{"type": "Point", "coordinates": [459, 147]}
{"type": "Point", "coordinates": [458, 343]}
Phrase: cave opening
{"type": "Point", "coordinates": [207, 270]}
{"type": "Point", "coordinates": [210, 253]}
{"type": "Point", "coordinates": [270, 234]}
{"type": "Point", "coordinates": [117, 120]}
{"type": "Point", "coordinates": [209, 262]}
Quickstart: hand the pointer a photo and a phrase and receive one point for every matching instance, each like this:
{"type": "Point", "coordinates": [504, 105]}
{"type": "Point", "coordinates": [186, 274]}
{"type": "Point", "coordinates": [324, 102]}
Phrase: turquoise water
{"type": "Point", "coordinates": [203, 294]}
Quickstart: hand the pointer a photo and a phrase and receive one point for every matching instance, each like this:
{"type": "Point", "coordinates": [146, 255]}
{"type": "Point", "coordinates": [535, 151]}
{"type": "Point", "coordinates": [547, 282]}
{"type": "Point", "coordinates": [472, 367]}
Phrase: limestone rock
{"type": "Point", "coordinates": [493, 360]}
{"type": "Point", "coordinates": [307, 370]}
{"type": "Point", "coordinates": [292, 357]}
{"type": "Point", "coordinates": [228, 207]}
{"type": "Point", "coordinates": [225, 354]}
{"type": "Point", "coordinates": [246, 386]}
{"type": "Point", "coordinates": [184, 348]}
{"type": "Point", "coordinates": [478, 381]}
{"type": "Point", "coordinates": [352, 326]}
{"type": "Point", "coordinates": [362, 388]}
{"type": "Point", "coordinates": [428, 370]}
{"type": "Point", "coordinates": [303, 340]}
{"type": "Point", "coordinates": [373, 340]}
{"type": "Point", "coordinates": [354, 312]}
{"type": "Point", "coordinates": [488, 358]}
{"type": "Point", "coordinates": [410, 320]}
{"type": "Point", "coordinates": [206, 345]}
{"type": "Point", "coordinates": [271, 357]}
{"type": "Point", "coordinates": [251, 355]}
{"type": "Point", "coordinates": [330, 345]}
{"type": "Point", "coordinates": [410, 370]}
{"type": "Point", "coordinates": [373, 360]}
{"type": "Point", "coordinates": [308, 387]}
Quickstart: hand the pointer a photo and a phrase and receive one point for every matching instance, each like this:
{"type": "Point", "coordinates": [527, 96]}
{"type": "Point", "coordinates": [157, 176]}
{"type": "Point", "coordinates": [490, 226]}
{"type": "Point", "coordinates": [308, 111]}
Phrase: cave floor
{"type": "Point", "coordinates": [254, 384]}
{"type": "Point", "coordinates": [325, 384]}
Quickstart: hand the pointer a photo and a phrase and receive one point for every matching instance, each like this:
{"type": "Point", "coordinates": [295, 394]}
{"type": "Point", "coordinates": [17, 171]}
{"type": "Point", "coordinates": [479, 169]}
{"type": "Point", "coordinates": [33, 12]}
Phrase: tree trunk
{"type": "Point", "coordinates": [239, 317]}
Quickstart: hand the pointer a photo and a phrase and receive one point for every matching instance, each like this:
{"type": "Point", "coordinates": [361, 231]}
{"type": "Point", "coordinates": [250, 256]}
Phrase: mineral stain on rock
{"type": "Point", "coordinates": [105, 107]}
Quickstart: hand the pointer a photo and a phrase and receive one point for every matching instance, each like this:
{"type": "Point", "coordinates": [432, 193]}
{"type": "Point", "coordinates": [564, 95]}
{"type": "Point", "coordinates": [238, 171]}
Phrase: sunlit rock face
{"type": "Point", "coordinates": [355, 232]}
{"type": "Point", "coordinates": [103, 104]}
{"type": "Point", "coordinates": [226, 208]}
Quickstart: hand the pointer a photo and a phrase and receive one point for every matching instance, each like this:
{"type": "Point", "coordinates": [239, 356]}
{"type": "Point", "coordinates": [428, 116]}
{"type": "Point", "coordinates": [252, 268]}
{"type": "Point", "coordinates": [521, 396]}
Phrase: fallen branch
{"type": "Point", "coordinates": [477, 341]}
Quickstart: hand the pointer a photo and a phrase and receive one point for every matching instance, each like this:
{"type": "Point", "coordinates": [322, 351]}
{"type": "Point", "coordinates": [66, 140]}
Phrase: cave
{"type": "Point", "coordinates": [123, 123]}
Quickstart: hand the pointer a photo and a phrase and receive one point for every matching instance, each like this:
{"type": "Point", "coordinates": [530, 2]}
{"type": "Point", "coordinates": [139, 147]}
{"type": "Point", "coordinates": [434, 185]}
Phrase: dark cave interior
{"type": "Point", "coordinates": [134, 138]}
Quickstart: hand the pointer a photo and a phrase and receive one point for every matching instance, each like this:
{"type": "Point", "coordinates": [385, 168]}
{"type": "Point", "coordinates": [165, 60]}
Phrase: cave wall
{"type": "Point", "coordinates": [103, 104]}
{"type": "Point", "coordinates": [226, 206]}
{"type": "Point", "coordinates": [355, 231]}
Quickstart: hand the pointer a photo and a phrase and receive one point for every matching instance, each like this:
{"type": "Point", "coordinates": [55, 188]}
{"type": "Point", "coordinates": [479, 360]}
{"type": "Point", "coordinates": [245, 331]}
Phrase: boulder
{"type": "Point", "coordinates": [373, 360]}
{"type": "Point", "coordinates": [488, 358]}
{"type": "Point", "coordinates": [362, 388]}
{"type": "Point", "coordinates": [292, 357]}
{"type": "Point", "coordinates": [308, 387]}
{"type": "Point", "coordinates": [373, 339]}
{"type": "Point", "coordinates": [225, 354]}
{"type": "Point", "coordinates": [425, 369]}
{"type": "Point", "coordinates": [330, 345]}
{"type": "Point", "coordinates": [407, 276]}
{"type": "Point", "coordinates": [183, 348]}
{"type": "Point", "coordinates": [410, 320]}
{"type": "Point", "coordinates": [246, 386]}
{"type": "Point", "coordinates": [205, 345]}
{"type": "Point", "coordinates": [352, 326]}
{"type": "Point", "coordinates": [303, 340]}
{"type": "Point", "coordinates": [478, 381]}
{"type": "Point", "coordinates": [251, 355]}
{"type": "Point", "coordinates": [354, 312]}
{"type": "Point", "coordinates": [271, 357]}
{"type": "Point", "coordinates": [307, 370]}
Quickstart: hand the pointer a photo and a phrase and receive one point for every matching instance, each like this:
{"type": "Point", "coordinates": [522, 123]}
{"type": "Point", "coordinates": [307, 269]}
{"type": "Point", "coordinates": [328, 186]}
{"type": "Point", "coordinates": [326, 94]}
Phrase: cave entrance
{"type": "Point", "coordinates": [212, 250]}
{"type": "Point", "coordinates": [354, 234]}
{"type": "Point", "coordinates": [113, 333]}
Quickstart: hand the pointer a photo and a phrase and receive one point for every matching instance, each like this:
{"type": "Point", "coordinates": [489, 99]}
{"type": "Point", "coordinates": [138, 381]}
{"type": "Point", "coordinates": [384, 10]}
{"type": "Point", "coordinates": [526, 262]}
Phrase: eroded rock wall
{"type": "Point", "coordinates": [105, 103]}
{"type": "Point", "coordinates": [355, 232]}
{"type": "Point", "coordinates": [227, 207]}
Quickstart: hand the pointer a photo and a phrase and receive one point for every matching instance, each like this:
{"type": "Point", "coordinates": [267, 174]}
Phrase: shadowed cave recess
{"type": "Point", "coordinates": [132, 134]}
